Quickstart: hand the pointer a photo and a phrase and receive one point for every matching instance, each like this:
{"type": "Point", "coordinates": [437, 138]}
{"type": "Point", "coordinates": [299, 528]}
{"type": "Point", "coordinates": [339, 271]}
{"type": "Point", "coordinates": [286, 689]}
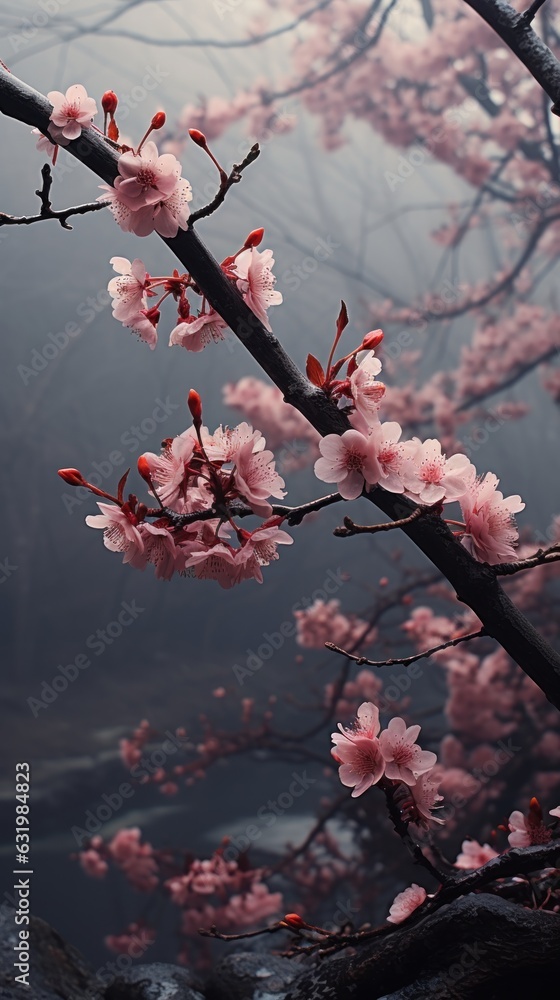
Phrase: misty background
{"type": "Point", "coordinates": [84, 405]}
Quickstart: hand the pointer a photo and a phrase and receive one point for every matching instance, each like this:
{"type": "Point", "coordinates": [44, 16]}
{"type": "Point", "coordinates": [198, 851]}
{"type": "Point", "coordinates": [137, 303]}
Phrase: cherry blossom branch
{"type": "Point", "coordinates": [47, 212]}
{"type": "Point", "coordinates": [405, 661]}
{"type": "Point", "coordinates": [351, 528]}
{"type": "Point", "coordinates": [309, 83]}
{"type": "Point", "coordinates": [293, 515]}
{"type": "Point", "coordinates": [233, 178]}
{"type": "Point", "coordinates": [476, 584]}
{"type": "Point", "coordinates": [541, 558]}
{"type": "Point", "coordinates": [515, 861]}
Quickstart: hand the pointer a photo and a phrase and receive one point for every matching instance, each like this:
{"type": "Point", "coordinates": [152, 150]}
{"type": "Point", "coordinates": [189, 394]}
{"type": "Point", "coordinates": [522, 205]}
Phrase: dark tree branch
{"type": "Point", "coordinates": [475, 584]}
{"type": "Point", "coordinates": [532, 11]}
{"type": "Point", "coordinates": [405, 661]}
{"type": "Point", "coordinates": [516, 31]}
{"type": "Point", "coordinates": [47, 212]}
{"type": "Point", "coordinates": [293, 515]}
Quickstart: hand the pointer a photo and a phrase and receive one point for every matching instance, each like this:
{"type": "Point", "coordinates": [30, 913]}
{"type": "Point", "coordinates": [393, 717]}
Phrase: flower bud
{"type": "Point", "coordinates": [109, 102]}
{"type": "Point", "coordinates": [158, 121]}
{"type": "Point", "coordinates": [198, 137]}
{"type": "Point", "coordinates": [194, 403]}
{"type": "Point", "coordinates": [144, 469]}
{"type": "Point", "coordinates": [72, 476]}
{"type": "Point", "coordinates": [254, 238]}
{"type": "Point", "coordinates": [372, 340]}
{"type": "Point", "coordinates": [294, 920]}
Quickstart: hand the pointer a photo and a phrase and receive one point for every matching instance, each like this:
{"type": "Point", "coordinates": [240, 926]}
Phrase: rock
{"type": "Point", "coordinates": [58, 971]}
{"type": "Point", "coordinates": [157, 981]}
{"type": "Point", "coordinates": [250, 976]}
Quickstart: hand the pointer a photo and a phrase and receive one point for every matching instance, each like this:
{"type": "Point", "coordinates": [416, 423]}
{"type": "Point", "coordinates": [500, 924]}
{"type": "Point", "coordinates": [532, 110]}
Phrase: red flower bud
{"type": "Point", "coordinates": [372, 340]}
{"type": "Point", "coordinates": [254, 238]}
{"type": "Point", "coordinates": [72, 476]}
{"type": "Point", "coordinates": [144, 469]}
{"type": "Point", "coordinates": [294, 920]}
{"type": "Point", "coordinates": [158, 121]}
{"type": "Point", "coordinates": [194, 403]}
{"type": "Point", "coordinates": [198, 137]}
{"type": "Point", "coordinates": [109, 102]}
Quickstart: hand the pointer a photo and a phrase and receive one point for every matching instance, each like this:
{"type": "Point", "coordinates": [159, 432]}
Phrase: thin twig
{"type": "Point", "coordinates": [350, 528]}
{"type": "Point", "coordinates": [293, 515]}
{"type": "Point", "coordinates": [233, 178]}
{"type": "Point", "coordinates": [47, 212]}
{"type": "Point", "coordinates": [541, 558]}
{"type": "Point", "coordinates": [405, 661]}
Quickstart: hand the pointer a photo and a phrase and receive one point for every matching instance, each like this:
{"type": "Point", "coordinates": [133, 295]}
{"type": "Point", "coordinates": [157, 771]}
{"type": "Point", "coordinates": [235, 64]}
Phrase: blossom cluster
{"type": "Point", "coordinates": [195, 480]}
{"type": "Point", "coordinates": [250, 270]}
{"type": "Point", "coordinates": [208, 892]}
{"type": "Point", "coordinates": [372, 453]}
{"type": "Point", "coordinates": [366, 755]}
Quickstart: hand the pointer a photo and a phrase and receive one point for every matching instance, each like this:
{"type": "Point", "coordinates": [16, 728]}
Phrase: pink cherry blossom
{"type": "Point", "coordinates": [349, 461]}
{"type": "Point", "coordinates": [119, 532]}
{"type": "Point", "coordinates": [146, 178]}
{"type": "Point", "coordinates": [196, 332]}
{"type": "Point", "coordinates": [395, 457]}
{"type": "Point", "coordinates": [405, 761]}
{"type": "Point", "coordinates": [256, 281]}
{"type": "Point", "coordinates": [93, 864]}
{"type": "Point", "coordinates": [438, 477]}
{"type": "Point", "coordinates": [226, 442]}
{"type": "Point", "coordinates": [169, 470]}
{"type": "Point", "coordinates": [555, 812]}
{"type": "Point", "coordinates": [44, 144]}
{"type": "Point", "coordinates": [260, 550]}
{"type": "Point", "coordinates": [135, 859]}
{"type": "Point", "coordinates": [128, 290]}
{"type": "Point", "coordinates": [149, 193]}
{"type": "Point", "coordinates": [217, 560]}
{"type": "Point", "coordinates": [358, 752]}
{"type": "Point", "coordinates": [145, 325]}
{"type": "Point", "coordinates": [526, 831]}
{"type": "Point", "coordinates": [361, 762]}
{"type": "Point", "coordinates": [256, 478]}
{"type": "Point", "coordinates": [72, 111]}
{"type": "Point", "coordinates": [367, 393]}
{"type": "Point", "coordinates": [159, 549]}
{"type": "Point", "coordinates": [406, 903]}
{"type": "Point", "coordinates": [425, 796]}
{"type": "Point", "coordinates": [474, 855]}
{"type": "Point", "coordinates": [490, 528]}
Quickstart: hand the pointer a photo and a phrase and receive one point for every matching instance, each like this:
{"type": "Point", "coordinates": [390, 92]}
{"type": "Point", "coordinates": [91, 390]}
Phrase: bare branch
{"type": "Point", "coordinates": [405, 661]}
{"type": "Point", "coordinates": [541, 558]}
{"type": "Point", "coordinates": [233, 178]}
{"type": "Point", "coordinates": [47, 212]}
{"type": "Point", "coordinates": [350, 528]}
